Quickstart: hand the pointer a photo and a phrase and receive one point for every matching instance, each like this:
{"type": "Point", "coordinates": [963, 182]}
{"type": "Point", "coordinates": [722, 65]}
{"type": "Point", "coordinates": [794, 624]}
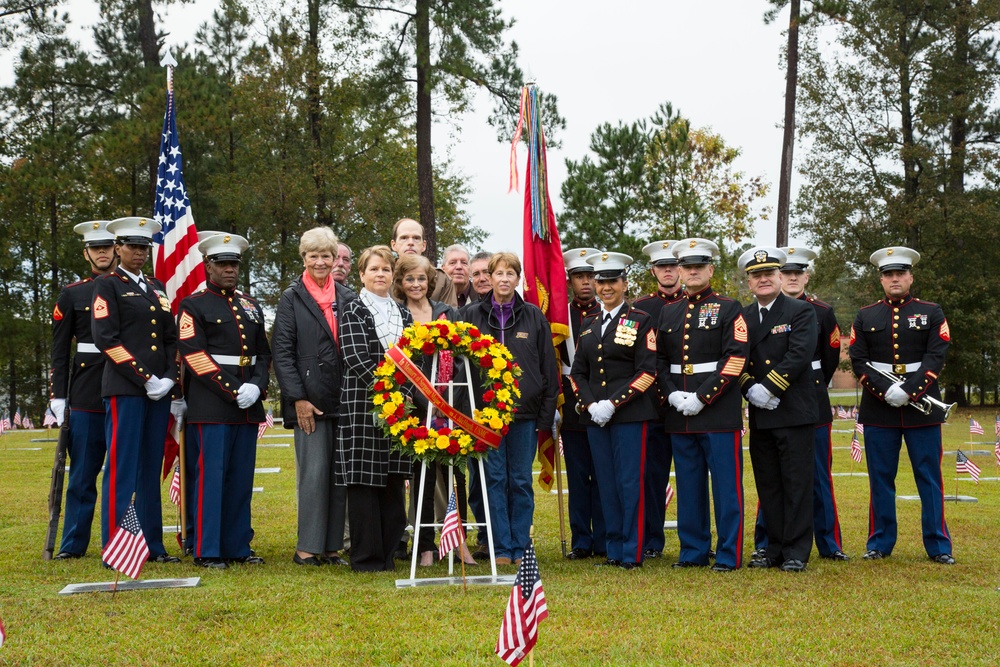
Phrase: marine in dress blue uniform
{"type": "Point", "coordinates": [778, 383]}
{"type": "Point", "coordinates": [223, 347]}
{"type": "Point", "coordinates": [663, 266]}
{"type": "Point", "coordinates": [907, 337]}
{"type": "Point", "coordinates": [701, 351]}
{"type": "Point", "coordinates": [77, 379]}
{"type": "Point", "coordinates": [135, 330]}
{"type": "Point", "coordinates": [613, 376]}
{"type": "Point", "coordinates": [826, 521]}
{"type": "Point", "coordinates": [586, 519]}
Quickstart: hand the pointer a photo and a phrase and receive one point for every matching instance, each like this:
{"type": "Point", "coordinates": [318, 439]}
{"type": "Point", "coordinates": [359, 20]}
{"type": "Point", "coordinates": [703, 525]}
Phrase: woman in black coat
{"type": "Point", "coordinates": [375, 473]}
{"type": "Point", "coordinates": [307, 363]}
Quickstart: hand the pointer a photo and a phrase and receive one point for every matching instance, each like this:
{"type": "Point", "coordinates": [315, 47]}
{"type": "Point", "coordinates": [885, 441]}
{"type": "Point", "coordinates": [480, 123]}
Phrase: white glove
{"type": "Point", "coordinates": [676, 398]}
{"type": "Point", "coordinates": [607, 411]}
{"type": "Point", "coordinates": [895, 396]}
{"type": "Point", "coordinates": [179, 408]}
{"type": "Point", "coordinates": [58, 408]}
{"type": "Point", "coordinates": [759, 396]}
{"type": "Point", "coordinates": [772, 403]}
{"type": "Point", "coordinates": [157, 388]}
{"type": "Point", "coordinates": [692, 405]}
{"type": "Point", "coordinates": [247, 395]}
{"type": "Point", "coordinates": [556, 423]}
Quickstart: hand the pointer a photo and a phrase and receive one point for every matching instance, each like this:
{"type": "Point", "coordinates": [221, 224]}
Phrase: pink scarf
{"type": "Point", "coordinates": [325, 297]}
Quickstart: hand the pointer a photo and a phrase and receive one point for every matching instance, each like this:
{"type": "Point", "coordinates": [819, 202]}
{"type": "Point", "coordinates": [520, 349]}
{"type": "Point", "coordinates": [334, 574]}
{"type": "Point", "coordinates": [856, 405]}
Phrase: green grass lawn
{"type": "Point", "coordinates": [901, 611]}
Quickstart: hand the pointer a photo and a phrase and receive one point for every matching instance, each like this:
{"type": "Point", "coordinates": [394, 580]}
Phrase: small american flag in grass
{"type": "Point", "coordinates": [127, 551]}
{"type": "Point", "coordinates": [452, 532]}
{"type": "Point", "coordinates": [266, 424]}
{"type": "Point", "coordinates": [964, 464]}
{"type": "Point", "coordinates": [526, 608]}
{"type": "Point", "coordinates": [175, 486]}
{"type": "Point", "coordinates": [975, 428]}
{"type": "Point", "coordinates": [856, 452]}
{"type": "Point", "coordinates": [670, 494]}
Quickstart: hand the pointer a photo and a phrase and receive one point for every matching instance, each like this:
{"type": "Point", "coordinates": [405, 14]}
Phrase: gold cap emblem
{"type": "Point", "coordinates": [604, 257]}
{"type": "Point", "coordinates": [692, 244]}
{"type": "Point", "coordinates": [583, 253]}
{"type": "Point", "coordinates": [760, 256]}
{"type": "Point", "coordinates": [791, 251]}
{"type": "Point", "coordinates": [665, 245]}
{"type": "Point", "coordinates": [142, 222]}
{"type": "Point", "coordinates": [97, 225]}
{"type": "Point", "coordinates": [889, 251]}
{"type": "Point", "coordinates": [226, 240]}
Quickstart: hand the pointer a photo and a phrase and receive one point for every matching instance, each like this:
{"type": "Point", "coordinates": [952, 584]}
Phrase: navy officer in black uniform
{"type": "Point", "coordinates": [663, 266]}
{"type": "Point", "coordinates": [613, 375]}
{"type": "Point", "coordinates": [826, 358]}
{"type": "Point", "coordinates": [586, 519]}
{"type": "Point", "coordinates": [79, 382]}
{"type": "Point", "coordinates": [778, 383]}
{"type": "Point", "coordinates": [134, 328]}
{"type": "Point", "coordinates": [909, 338]}
{"type": "Point", "coordinates": [224, 349]}
{"type": "Point", "coordinates": [701, 351]}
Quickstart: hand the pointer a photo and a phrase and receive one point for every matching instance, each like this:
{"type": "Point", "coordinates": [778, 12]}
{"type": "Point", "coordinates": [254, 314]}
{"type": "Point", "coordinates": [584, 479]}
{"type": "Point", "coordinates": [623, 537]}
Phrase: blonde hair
{"type": "Point", "coordinates": [382, 251]}
{"type": "Point", "coordinates": [508, 258]}
{"type": "Point", "coordinates": [319, 239]}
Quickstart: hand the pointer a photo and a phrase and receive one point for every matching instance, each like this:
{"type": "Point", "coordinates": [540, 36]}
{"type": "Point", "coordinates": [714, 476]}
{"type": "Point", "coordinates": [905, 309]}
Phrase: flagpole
{"type": "Point", "coordinates": [559, 489]}
{"type": "Point", "coordinates": [531, 540]}
{"type": "Point", "coordinates": [454, 489]}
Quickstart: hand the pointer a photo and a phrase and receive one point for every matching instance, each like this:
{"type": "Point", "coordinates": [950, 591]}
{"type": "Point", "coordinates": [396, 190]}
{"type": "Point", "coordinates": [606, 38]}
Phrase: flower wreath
{"type": "Point", "coordinates": [394, 411]}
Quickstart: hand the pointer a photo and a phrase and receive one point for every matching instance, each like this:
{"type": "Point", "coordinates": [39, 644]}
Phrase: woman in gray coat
{"type": "Point", "coordinates": [307, 363]}
{"type": "Point", "coordinates": [374, 473]}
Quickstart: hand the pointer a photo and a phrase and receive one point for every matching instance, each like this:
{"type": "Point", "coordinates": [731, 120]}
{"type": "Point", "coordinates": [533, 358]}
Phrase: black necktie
{"type": "Point", "coordinates": [604, 322]}
{"type": "Point", "coordinates": [142, 284]}
{"type": "Point", "coordinates": [763, 314]}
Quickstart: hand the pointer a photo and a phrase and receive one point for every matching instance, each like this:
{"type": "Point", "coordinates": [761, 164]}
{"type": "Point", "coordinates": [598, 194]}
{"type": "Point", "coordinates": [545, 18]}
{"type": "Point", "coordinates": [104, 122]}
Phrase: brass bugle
{"type": "Point", "coordinates": [925, 404]}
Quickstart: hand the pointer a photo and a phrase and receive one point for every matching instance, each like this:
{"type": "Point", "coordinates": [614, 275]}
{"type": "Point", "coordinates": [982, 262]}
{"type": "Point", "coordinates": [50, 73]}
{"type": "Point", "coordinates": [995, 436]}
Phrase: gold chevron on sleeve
{"type": "Point", "coordinates": [118, 354]}
{"type": "Point", "coordinates": [643, 382]}
{"type": "Point", "coordinates": [835, 336]}
{"type": "Point", "coordinates": [201, 363]}
{"type": "Point", "coordinates": [780, 382]}
{"type": "Point", "coordinates": [734, 366]}
{"type": "Point", "coordinates": [740, 329]}
{"type": "Point", "coordinates": [186, 326]}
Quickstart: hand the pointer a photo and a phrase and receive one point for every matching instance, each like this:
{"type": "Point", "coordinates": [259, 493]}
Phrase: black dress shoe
{"type": "Point", "coordinates": [837, 555]}
{"type": "Point", "coordinates": [66, 555]}
{"type": "Point", "coordinates": [711, 554]}
{"type": "Point", "coordinates": [652, 553]}
{"type": "Point", "coordinates": [759, 553]}
{"type": "Point", "coordinates": [212, 563]}
{"type": "Point", "coordinates": [630, 566]}
{"type": "Point", "coordinates": [719, 567]}
{"type": "Point", "coordinates": [578, 554]}
{"type": "Point", "coordinates": [164, 558]}
{"type": "Point", "coordinates": [252, 559]}
{"type": "Point", "coordinates": [944, 559]}
{"type": "Point", "coordinates": [761, 563]}
{"type": "Point", "coordinates": [793, 565]}
{"type": "Point", "coordinates": [873, 554]}
{"type": "Point", "coordinates": [308, 560]}
{"type": "Point", "coordinates": [609, 562]}
{"type": "Point", "coordinates": [335, 559]}
{"type": "Point", "coordinates": [688, 563]}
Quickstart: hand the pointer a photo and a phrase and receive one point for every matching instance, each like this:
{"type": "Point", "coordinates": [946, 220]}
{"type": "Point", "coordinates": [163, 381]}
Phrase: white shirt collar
{"type": "Point", "coordinates": [137, 277]}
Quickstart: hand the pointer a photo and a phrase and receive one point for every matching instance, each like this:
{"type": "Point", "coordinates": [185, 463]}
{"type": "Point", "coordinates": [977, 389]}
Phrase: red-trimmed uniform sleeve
{"type": "Point", "coordinates": [63, 331]}
{"type": "Point", "coordinates": [932, 362]}
{"type": "Point", "coordinates": [192, 346]}
{"type": "Point", "coordinates": [644, 376]}
{"type": "Point", "coordinates": [105, 324]}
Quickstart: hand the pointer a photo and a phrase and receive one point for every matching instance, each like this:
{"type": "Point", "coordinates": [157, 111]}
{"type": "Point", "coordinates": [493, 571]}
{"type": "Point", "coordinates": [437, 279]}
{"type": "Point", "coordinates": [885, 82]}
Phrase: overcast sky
{"type": "Point", "coordinates": [714, 60]}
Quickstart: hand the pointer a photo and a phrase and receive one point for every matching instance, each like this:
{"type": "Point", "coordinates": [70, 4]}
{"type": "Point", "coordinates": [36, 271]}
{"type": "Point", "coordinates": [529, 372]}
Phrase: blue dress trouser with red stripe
{"type": "Point", "coordinates": [619, 454]}
{"type": "Point", "coordinates": [225, 456]}
{"type": "Point", "coordinates": [135, 427]}
{"type": "Point", "coordinates": [923, 445]}
{"type": "Point", "coordinates": [659, 454]}
{"type": "Point", "coordinates": [826, 522]}
{"type": "Point", "coordinates": [87, 451]}
{"type": "Point", "coordinates": [695, 455]}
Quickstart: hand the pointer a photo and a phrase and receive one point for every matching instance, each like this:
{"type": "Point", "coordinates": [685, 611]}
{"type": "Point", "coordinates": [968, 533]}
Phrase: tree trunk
{"type": "Point", "coordinates": [788, 139]}
{"type": "Point", "coordinates": [425, 167]}
{"type": "Point", "coordinates": [911, 174]}
{"type": "Point", "coordinates": [959, 99]}
{"type": "Point", "coordinates": [314, 113]}
{"type": "Point", "coordinates": [150, 47]}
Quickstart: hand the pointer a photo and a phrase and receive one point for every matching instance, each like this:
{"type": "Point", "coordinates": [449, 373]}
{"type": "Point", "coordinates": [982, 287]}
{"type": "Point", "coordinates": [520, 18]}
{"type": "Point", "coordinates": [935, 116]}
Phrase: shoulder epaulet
{"type": "Point", "coordinates": [82, 281]}
{"type": "Point", "coordinates": [871, 305]}
{"type": "Point", "coordinates": [928, 303]}
{"type": "Point", "coordinates": [723, 298]}
{"type": "Point", "coordinates": [819, 304]}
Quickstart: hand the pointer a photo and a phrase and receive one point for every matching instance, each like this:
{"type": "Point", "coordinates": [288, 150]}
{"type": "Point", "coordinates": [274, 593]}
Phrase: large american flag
{"type": "Point", "coordinates": [452, 531]}
{"type": "Point", "coordinates": [975, 428]}
{"type": "Point", "coordinates": [526, 608]}
{"type": "Point", "coordinates": [964, 464]}
{"type": "Point", "coordinates": [856, 452]}
{"type": "Point", "coordinates": [127, 551]}
{"type": "Point", "coordinates": [176, 260]}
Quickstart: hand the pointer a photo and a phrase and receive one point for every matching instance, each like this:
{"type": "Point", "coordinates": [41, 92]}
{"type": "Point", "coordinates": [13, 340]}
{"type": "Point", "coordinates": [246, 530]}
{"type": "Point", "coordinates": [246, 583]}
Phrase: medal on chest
{"type": "Point", "coordinates": [249, 309]}
{"type": "Point", "coordinates": [708, 315]}
{"type": "Point", "coordinates": [164, 302]}
{"type": "Point", "coordinates": [626, 332]}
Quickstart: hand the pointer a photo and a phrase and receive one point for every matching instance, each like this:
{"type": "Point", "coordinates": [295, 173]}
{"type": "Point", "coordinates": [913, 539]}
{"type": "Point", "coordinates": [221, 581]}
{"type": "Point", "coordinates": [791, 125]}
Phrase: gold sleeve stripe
{"type": "Point", "coordinates": [201, 363]}
{"type": "Point", "coordinates": [572, 383]}
{"type": "Point", "coordinates": [119, 354]}
{"type": "Point", "coordinates": [734, 366]}
{"type": "Point", "coordinates": [740, 329]}
{"type": "Point", "coordinates": [186, 326]}
{"type": "Point", "coordinates": [744, 378]}
{"type": "Point", "coordinates": [779, 381]}
{"type": "Point", "coordinates": [643, 382]}
{"type": "Point", "coordinates": [932, 374]}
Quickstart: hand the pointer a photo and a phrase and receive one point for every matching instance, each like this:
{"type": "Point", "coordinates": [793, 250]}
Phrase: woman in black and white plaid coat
{"type": "Point", "coordinates": [374, 473]}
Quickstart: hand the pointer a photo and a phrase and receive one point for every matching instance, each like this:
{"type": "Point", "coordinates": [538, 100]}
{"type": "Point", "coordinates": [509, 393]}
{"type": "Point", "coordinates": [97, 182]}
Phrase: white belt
{"type": "Point", "coordinates": [817, 365]}
{"type": "Point", "coordinates": [88, 348]}
{"type": "Point", "coordinates": [231, 360]}
{"type": "Point", "coordinates": [898, 369]}
{"type": "Point", "coordinates": [691, 369]}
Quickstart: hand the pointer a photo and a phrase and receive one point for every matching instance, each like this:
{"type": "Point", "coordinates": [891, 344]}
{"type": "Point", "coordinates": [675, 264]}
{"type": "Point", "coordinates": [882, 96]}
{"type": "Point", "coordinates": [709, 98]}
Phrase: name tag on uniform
{"type": "Point", "coordinates": [781, 328]}
{"type": "Point", "coordinates": [521, 334]}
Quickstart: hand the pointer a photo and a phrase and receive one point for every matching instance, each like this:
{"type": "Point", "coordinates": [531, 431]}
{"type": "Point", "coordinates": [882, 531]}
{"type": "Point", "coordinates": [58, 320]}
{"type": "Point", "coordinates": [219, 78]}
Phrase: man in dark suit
{"type": "Point", "coordinates": [586, 520]}
{"type": "Point", "coordinates": [701, 349]}
{"type": "Point", "coordinates": [663, 266]}
{"type": "Point", "coordinates": [134, 328]}
{"type": "Point", "coordinates": [914, 351]}
{"type": "Point", "coordinates": [779, 385]}
{"type": "Point", "coordinates": [223, 344]}
{"type": "Point", "coordinates": [79, 382]}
